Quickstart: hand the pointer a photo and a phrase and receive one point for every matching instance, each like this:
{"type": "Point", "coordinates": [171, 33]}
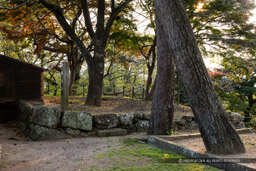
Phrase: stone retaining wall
{"type": "Point", "coordinates": [189, 122]}
{"type": "Point", "coordinates": [45, 123]}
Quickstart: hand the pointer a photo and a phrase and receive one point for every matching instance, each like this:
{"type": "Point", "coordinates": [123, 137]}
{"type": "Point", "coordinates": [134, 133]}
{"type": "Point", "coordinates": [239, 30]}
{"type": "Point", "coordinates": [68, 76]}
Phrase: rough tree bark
{"type": "Point", "coordinates": [218, 134]}
{"type": "Point", "coordinates": [162, 106]}
{"type": "Point", "coordinates": [96, 74]}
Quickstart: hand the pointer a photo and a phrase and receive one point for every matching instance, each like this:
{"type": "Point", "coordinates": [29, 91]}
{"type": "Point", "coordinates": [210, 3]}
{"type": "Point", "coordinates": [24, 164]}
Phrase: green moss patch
{"type": "Point", "coordinates": [132, 154]}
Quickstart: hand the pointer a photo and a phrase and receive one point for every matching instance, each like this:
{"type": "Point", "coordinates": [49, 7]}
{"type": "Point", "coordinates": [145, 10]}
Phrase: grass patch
{"type": "Point", "coordinates": [3, 165]}
{"type": "Point", "coordinates": [98, 156]}
{"type": "Point", "coordinates": [135, 155]}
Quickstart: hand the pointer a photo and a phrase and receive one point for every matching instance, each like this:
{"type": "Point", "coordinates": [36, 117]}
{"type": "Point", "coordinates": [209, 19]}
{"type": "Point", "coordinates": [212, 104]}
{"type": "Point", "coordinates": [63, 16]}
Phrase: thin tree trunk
{"type": "Point", "coordinates": [74, 78]}
{"type": "Point", "coordinates": [71, 81]}
{"type": "Point", "coordinates": [75, 61]}
{"type": "Point", "coordinates": [149, 82]}
{"type": "Point", "coordinates": [150, 67]}
{"type": "Point", "coordinates": [162, 106]}
{"type": "Point", "coordinates": [150, 96]}
{"type": "Point", "coordinates": [218, 134]}
{"type": "Point", "coordinates": [251, 101]}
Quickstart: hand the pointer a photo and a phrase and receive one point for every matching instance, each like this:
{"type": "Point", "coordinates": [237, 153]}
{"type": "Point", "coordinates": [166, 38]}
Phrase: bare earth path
{"type": "Point", "coordinates": [80, 154]}
{"type": "Point", "coordinates": [21, 154]}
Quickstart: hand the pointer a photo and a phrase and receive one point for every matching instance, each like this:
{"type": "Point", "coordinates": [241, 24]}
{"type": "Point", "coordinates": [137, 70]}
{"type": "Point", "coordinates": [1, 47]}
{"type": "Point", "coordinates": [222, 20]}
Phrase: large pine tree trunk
{"type": "Point", "coordinates": [218, 134]}
{"type": "Point", "coordinates": [162, 106]}
{"type": "Point", "coordinates": [96, 74]}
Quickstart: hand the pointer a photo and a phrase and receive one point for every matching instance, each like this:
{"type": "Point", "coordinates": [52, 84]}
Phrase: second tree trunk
{"type": "Point", "coordinates": [162, 106]}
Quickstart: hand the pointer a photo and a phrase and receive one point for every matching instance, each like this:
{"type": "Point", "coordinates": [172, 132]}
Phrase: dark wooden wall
{"type": "Point", "coordinates": [18, 81]}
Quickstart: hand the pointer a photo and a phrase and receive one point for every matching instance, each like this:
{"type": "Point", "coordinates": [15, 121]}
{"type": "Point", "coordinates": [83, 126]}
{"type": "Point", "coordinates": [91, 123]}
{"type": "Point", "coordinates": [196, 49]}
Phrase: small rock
{"type": "Point", "coordinates": [234, 117]}
{"type": "Point", "coordinates": [126, 120]}
{"type": "Point", "coordinates": [77, 120]}
{"type": "Point", "coordinates": [118, 132]}
{"type": "Point", "coordinates": [240, 125]}
{"type": "Point", "coordinates": [138, 116]}
{"type": "Point", "coordinates": [46, 116]}
{"type": "Point", "coordinates": [105, 121]}
{"type": "Point", "coordinates": [112, 132]}
{"type": "Point", "coordinates": [142, 125]}
{"type": "Point", "coordinates": [38, 133]}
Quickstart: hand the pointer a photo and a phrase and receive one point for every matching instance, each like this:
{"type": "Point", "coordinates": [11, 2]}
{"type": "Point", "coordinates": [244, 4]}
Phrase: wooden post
{"type": "Point", "coordinates": [64, 85]}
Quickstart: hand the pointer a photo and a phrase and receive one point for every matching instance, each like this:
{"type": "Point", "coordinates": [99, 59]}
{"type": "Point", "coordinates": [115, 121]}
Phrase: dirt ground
{"type": "Point", "coordinates": [76, 154]}
{"type": "Point", "coordinates": [115, 105]}
{"type": "Point", "coordinates": [22, 154]}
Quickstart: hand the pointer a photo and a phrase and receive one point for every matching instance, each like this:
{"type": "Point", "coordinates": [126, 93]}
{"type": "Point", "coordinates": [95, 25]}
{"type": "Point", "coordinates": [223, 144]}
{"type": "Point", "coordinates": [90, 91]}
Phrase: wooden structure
{"type": "Point", "coordinates": [18, 81]}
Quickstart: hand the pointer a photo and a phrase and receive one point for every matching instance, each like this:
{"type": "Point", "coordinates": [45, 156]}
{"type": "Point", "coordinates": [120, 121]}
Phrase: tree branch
{"type": "Point", "coordinates": [16, 7]}
{"type": "Point", "coordinates": [73, 24]}
{"type": "Point", "coordinates": [54, 50]}
{"type": "Point", "coordinates": [112, 5]}
{"type": "Point", "coordinates": [113, 15]}
{"type": "Point", "coordinates": [57, 11]}
{"type": "Point", "coordinates": [111, 64]}
{"type": "Point", "coordinates": [87, 18]}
